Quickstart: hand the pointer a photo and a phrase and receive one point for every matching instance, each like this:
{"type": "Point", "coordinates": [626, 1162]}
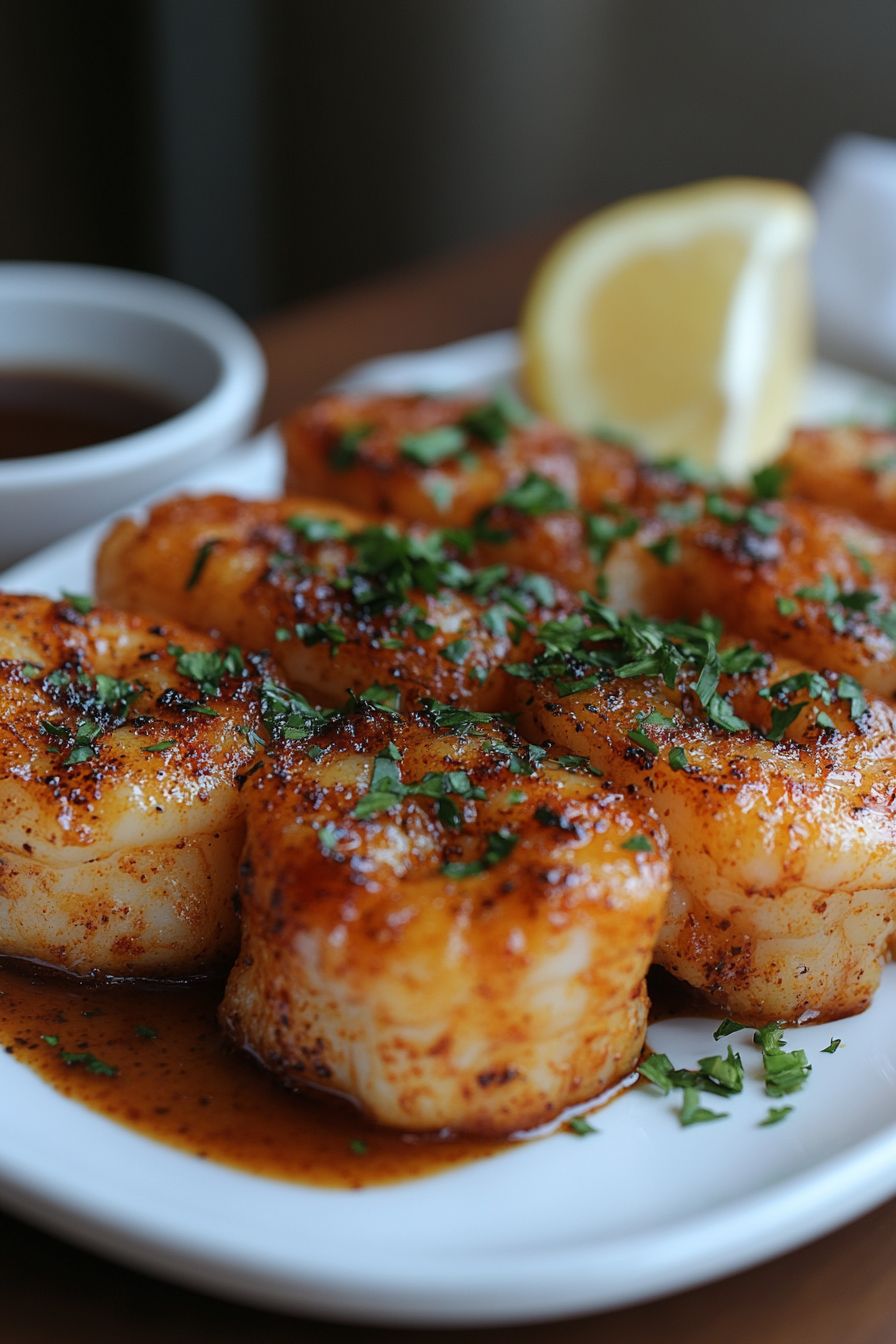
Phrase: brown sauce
{"type": "Point", "coordinates": [179, 1081]}
{"type": "Point", "coordinates": [54, 412]}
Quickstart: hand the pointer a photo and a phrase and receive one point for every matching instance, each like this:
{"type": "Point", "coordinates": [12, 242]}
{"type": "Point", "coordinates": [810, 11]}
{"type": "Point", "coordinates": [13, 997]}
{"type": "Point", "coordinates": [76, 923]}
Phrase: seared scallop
{"type": "Point", "coordinates": [346, 603]}
{"type": "Point", "coordinates": [516, 479]}
{"type": "Point", "coordinates": [443, 924]}
{"type": "Point", "coordinates": [805, 581]}
{"type": "Point", "coordinates": [776, 786]}
{"type": "Point", "coordinates": [847, 467]}
{"type": "Point", "coordinates": [122, 746]}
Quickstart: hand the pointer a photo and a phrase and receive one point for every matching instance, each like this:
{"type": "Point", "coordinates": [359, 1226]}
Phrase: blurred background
{"type": "Point", "coordinates": [269, 150]}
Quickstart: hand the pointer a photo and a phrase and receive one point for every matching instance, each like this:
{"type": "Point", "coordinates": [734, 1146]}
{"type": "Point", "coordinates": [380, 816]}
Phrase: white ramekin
{"type": "Point", "coordinates": [140, 329]}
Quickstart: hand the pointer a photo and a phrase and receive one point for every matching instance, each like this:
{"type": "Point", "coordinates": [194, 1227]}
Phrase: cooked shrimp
{"type": "Point", "coordinates": [345, 603]}
{"type": "Point", "coordinates": [800, 579]}
{"type": "Point", "coordinates": [845, 468]}
{"type": "Point", "coordinates": [778, 796]}
{"type": "Point", "coordinates": [121, 821]}
{"type": "Point", "coordinates": [461, 463]}
{"type": "Point", "coordinates": [442, 925]}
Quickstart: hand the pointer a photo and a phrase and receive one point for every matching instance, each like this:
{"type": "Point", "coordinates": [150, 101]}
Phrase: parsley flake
{"type": "Point", "coordinates": [678, 758]}
{"type": "Point", "coordinates": [639, 844]}
{"type": "Point", "coordinates": [500, 845]}
{"type": "Point", "coordinates": [81, 603]}
{"type": "Point", "coordinates": [692, 1113]}
{"type": "Point", "coordinates": [535, 496]}
{"type": "Point", "coordinates": [199, 563]}
{"type": "Point", "coordinates": [328, 837]}
{"type": "Point", "coordinates": [146, 1033]}
{"type": "Point", "coordinates": [434, 445]}
{"type": "Point", "coordinates": [457, 651]}
{"type": "Point", "coordinates": [90, 1062]}
{"type": "Point", "coordinates": [775, 1115]}
{"type": "Point", "coordinates": [344, 452]}
{"type": "Point", "coordinates": [159, 746]}
{"type": "Point", "coordinates": [580, 1127]}
{"type": "Point", "coordinates": [833, 1047]}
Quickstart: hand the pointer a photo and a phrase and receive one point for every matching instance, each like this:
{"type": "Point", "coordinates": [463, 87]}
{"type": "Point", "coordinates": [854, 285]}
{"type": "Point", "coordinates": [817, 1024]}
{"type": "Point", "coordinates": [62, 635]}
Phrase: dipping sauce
{"type": "Point", "coordinates": [155, 1059]}
{"type": "Point", "coordinates": [54, 412]}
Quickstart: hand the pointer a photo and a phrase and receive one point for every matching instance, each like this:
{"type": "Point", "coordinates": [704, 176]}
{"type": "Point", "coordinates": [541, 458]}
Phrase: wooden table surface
{"type": "Point", "coordinates": [840, 1290]}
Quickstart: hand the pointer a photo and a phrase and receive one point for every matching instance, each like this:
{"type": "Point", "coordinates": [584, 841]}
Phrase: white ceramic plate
{"type": "Point", "coordinates": [558, 1226]}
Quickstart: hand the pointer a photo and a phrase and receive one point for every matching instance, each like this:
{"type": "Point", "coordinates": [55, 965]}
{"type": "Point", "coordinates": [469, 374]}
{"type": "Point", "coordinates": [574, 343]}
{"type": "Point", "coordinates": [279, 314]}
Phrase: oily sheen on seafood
{"type": "Point", "coordinates": [121, 820]}
{"type": "Point", "coordinates": [442, 924]}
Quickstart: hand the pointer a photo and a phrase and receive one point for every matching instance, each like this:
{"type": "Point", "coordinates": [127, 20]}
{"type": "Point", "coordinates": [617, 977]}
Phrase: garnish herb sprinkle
{"type": "Point", "coordinates": [159, 746]}
{"type": "Point", "coordinates": [147, 1033]}
{"type": "Point", "coordinates": [358, 1147]}
{"type": "Point", "coordinates": [345, 451]}
{"type": "Point", "coordinates": [500, 844]}
{"type": "Point", "coordinates": [434, 445]}
{"type": "Point", "coordinates": [692, 1113]}
{"type": "Point", "coordinates": [769, 481]}
{"type": "Point", "coordinates": [638, 843]}
{"type": "Point", "coordinates": [775, 1115]}
{"type": "Point", "coordinates": [580, 1126]}
{"type": "Point", "coordinates": [833, 1047]}
{"type": "Point", "coordinates": [90, 1062]}
{"type": "Point", "coordinates": [199, 563]}
{"type": "Point", "coordinates": [535, 496]}
{"type": "Point", "coordinates": [81, 603]}
{"type": "Point", "coordinates": [328, 836]}
{"type": "Point", "coordinates": [727, 1027]}
{"type": "Point", "coordinates": [678, 758]}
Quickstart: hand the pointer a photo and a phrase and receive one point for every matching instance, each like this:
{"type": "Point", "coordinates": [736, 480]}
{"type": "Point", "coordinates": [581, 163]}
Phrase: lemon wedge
{"type": "Point", "coordinates": [679, 319]}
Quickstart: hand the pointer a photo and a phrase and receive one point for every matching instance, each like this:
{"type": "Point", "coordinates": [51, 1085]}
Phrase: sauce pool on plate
{"type": "Point", "coordinates": [51, 411]}
{"type": "Point", "coordinates": [154, 1058]}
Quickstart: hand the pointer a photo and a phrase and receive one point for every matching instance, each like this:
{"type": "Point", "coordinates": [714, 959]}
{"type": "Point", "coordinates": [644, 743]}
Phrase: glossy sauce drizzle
{"type": "Point", "coordinates": [179, 1081]}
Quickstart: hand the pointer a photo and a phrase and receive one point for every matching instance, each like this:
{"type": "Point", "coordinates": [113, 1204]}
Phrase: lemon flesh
{"type": "Point", "coordinates": [680, 319]}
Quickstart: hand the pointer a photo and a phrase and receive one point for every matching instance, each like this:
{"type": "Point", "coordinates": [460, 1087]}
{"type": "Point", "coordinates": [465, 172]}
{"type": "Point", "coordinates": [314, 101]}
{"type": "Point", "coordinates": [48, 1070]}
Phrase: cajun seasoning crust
{"type": "Point", "coordinates": [121, 822]}
{"type": "Point", "coordinates": [813, 585]}
{"type": "Point", "coordinates": [783, 867]}
{"type": "Point", "coordinates": [846, 467]}
{"type": "Point", "coordinates": [262, 576]}
{"type": "Point", "coordinates": [483, 1003]}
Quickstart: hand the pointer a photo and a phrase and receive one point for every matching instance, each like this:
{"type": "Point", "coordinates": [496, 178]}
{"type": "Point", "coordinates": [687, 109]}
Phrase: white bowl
{"type": "Point", "coordinates": [138, 329]}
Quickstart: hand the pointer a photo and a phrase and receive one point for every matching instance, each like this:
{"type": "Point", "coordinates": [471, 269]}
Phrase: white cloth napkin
{"type": "Point", "coordinates": [854, 261]}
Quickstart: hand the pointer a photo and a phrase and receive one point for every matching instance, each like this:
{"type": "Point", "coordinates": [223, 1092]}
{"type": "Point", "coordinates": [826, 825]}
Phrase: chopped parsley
{"type": "Point", "coordinates": [785, 1070]}
{"type": "Point", "coordinates": [344, 452]}
{"type": "Point", "coordinates": [456, 652]}
{"type": "Point", "coordinates": [579, 764]}
{"type": "Point", "coordinates": [500, 844]}
{"type": "Point", "coordinates": [321, 632]}
{"type": "Point", "coordinates": [727, 1027]}
{"type": "Point", "coordinates": [833, 1047]}
{"type": "Point", "coordinates": [90, 1062]}
{"type": "Point", "coordinates": [199, 563]}
{"type": "Point", "coordinates": [535, 496]}
{"type": "Point", "coordinates": [287, 714]}
{"type": "Point", "coordinates": [387, 789]}
{"type": "Point", "coordinates": [602, 532]}
{"type": "Point", "coordinates": [86, 734]}
{"type": "Point", "coordinates": [639, 844]}
{"type": "Point", "coordinates": [358, 1147]}
{"type": "Point", "coordinates": [678, 758]}
{"type": "Point", "coordinates": [313, 529]}
{"type": "Point", "coordinates": [207, 668]}
{"type": "Point", "coordinates": [50, 1040]}
{"type": "Point", "coordinates": [580, 1127]}
{"type": "Point", "coordinates": [642, 740]}
{"type": "Point", "coordinates": [692, 1113]}
{"type": "Point", "coordinates": [840, 604]}
{"type": "Point", "coordinates": [754, 515]}
{"type": "Point", "coordinates": [81, 603]}
{"type": "Point", "coordinates": [494, 420]}
{"type": "Point", "coordinates": [160, 746]}
{"type": "Point", "coordinates": [434, 445]}
{"type": "Point", "coordinates": [146, 1033]}
{"type": "Point", "coordinates": [768, 482]}
{"type": "Point", "coordinates": [667, 551]}
{"type": "Point", "coordinates": [786, 606]}
{"type": "Point", "coordinates": [328, 837]}
{"type": "Point", "coordinates": [775, 1115]}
